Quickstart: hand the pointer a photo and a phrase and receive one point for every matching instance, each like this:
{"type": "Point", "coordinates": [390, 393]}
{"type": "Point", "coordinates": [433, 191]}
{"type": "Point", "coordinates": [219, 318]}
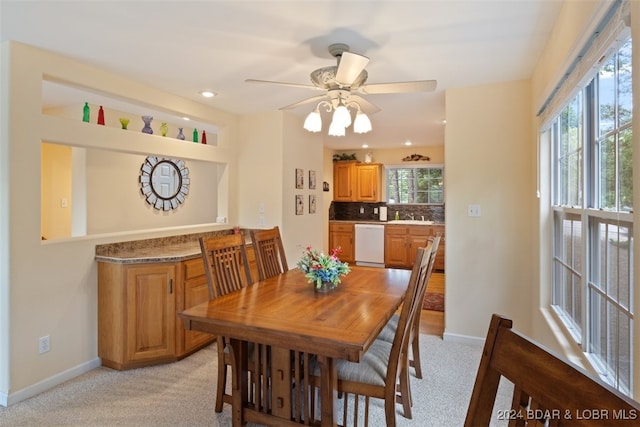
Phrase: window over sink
{"type": "Point", "coordinates": [415, 184]}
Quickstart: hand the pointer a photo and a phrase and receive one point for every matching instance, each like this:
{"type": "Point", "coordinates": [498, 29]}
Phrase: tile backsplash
{"type": "Point", "coordinates": [350, 211]}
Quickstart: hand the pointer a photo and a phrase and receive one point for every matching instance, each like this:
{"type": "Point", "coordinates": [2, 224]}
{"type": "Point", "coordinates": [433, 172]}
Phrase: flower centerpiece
{"type": "Point", "coordinates": [324, 271]}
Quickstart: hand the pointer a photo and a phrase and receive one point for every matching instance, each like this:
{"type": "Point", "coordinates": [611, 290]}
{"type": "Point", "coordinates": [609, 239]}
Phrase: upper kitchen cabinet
{"type": "Point", "coordinates": [356, 182]}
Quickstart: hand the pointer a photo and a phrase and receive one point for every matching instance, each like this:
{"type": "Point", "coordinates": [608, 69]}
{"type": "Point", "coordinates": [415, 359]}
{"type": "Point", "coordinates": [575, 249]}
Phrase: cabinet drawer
{"type": "Point", "coordinates": [418, 230]}
{"type": "Point", "coordinates": [193, 268]}
{"type": "Point", "coordinates": [395, 230]}
{"type": "Point", "coordinates": [341, 227]}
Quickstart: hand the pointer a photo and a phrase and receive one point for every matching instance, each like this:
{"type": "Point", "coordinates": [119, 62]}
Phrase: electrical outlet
{"type": "Point", "coordinates": [44, 344]}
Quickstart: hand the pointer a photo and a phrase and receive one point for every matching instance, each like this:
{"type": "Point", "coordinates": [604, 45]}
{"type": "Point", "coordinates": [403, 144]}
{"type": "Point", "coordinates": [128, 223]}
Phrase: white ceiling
{"type": "Point", "coordinates": [185, 47]}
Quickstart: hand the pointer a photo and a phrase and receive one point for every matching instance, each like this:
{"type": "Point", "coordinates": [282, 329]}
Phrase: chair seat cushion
{"type": "Point", "coordinates": [371, 370]}
{"type": "Point", "coordinates": [388, 333]}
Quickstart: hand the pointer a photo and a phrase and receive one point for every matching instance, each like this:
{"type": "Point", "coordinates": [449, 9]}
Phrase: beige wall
{"type": "Point", "coordinates": [50, 288]}
{"type": "Point", "coordinates": [488, 163]}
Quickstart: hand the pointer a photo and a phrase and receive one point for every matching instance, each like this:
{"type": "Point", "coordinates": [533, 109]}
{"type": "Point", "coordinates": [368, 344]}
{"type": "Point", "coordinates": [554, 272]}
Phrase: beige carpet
{"type": "Point", "coordinates": [182, 394]}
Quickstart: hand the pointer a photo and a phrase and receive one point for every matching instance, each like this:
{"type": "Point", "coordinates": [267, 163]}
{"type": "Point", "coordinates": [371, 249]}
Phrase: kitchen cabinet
{"type": "Point", "coordinates": [356, 182]}
{"type": "Point", "coordinates": [342, 235]}
{"type": "Point", "coordinates": [136, 313]}
{"type": "Point", "coordinates": [138, 305]}
{"type": "Point", "coordinates": [193, 291]}
{"type": "Point", "coordinates": [401, 244]}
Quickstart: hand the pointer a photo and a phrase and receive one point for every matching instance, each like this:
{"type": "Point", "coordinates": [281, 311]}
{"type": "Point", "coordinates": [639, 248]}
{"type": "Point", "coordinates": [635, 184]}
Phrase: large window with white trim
{"type": "Point", "coordinates": [593, 222]}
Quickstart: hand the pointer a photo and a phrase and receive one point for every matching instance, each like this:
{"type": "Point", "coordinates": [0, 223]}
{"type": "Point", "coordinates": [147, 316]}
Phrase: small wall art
{"type": "Point", "coordinates": [312, 203]}
{"type": "Point", "coordinates": [299, 204]}
{"type": "Point", "coordinates": [325, 186]}
{"type": "Point", "coordinates": [312, 180]}
{"type": "Point", "coordinates": [299, 179]}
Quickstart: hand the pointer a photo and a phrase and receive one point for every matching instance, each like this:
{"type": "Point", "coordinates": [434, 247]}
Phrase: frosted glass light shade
{"type": "Point", "coordinates": [362, 124]}
{"type": "Point", "coordinates": [336, 129]}
{"type": "Point", "coordinates": [341, 116]}
{"type": "Point", "coordinates": [313, 122]}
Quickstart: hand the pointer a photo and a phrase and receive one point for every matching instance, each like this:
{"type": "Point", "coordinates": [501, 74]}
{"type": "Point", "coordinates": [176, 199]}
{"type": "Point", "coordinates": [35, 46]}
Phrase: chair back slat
{"type": "Point", "coordinates": [547, 389]}
{"type": "Point", "coordinates": [270, 257]}
{"type": "Point", "coordinates": [225, 263]}
{"type": "Point", "coordinates": [417, 285]}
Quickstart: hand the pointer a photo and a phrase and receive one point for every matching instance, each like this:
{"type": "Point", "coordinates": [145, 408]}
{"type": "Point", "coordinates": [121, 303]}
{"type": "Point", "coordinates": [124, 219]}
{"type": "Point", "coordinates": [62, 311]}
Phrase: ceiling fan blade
{"type": "Point", "coordinates": [399, 87]}
{"type": "Point", "coordinates": [366, 106]}
{"type": "Point", "coordinates": [350, 67]}
{"type": "Point", "coordinates": [305, 102]}
{"type": "Point", "coordinates": [283, 84]}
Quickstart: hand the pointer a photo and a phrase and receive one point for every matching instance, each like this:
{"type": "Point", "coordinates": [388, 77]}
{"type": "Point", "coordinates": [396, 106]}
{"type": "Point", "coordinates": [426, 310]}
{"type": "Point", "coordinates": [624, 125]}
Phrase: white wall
{"type": "Point", "coordinates": [488, 163]}
{"type": "Point", "coordinates": [50, 288]}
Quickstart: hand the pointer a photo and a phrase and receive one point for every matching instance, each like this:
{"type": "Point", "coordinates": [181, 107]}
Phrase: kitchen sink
{"type": "Point", "coordinates": [410, 222]}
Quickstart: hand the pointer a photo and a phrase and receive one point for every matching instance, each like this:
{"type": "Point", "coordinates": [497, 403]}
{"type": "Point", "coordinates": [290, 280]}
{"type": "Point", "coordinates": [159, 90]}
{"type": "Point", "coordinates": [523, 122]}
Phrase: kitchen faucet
{"type": "Point", "coordinates": [411, 216]}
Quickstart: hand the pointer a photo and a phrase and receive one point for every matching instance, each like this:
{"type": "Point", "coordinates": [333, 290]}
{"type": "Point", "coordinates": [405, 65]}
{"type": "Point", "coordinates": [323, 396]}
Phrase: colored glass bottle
{"type": "Point", "coordinates": [204, 137]}
{"type": "Point", "coordinates": [195, 135]}
{"type": "Point", "coordinates": [101, 116]}
{"type": "Point", "coordinates": [163, 129]}
{"type": "Point", "coordinates": [86, 112]}
{"type": "Point", "coordinates": [180, 135]}
{"type": "Point", "coordinates": [147, 124]}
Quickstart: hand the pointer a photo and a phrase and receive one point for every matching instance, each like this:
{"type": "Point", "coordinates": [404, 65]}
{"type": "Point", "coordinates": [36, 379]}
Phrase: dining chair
{"type": "Point", "coordinates": [378, 374]}
{"type": "Point", "coordinates": [547, 390]}
{"type": "Point", "coordinates": [270, 256]}
{"type": "Point", "coordinates": [389, 330]}
{"type": "Point", "coordinates": [227, 270]}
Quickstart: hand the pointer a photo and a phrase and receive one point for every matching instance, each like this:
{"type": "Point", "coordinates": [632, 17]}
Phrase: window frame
{"type": "Point", "coordinates": [388, 167]}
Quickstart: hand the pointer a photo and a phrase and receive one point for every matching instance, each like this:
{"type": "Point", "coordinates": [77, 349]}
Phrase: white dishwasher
{"type": "Point", "coordinates": [370, 244]}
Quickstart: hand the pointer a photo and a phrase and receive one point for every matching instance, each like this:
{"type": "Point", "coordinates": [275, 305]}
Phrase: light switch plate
{"type": "Point", "coordinates": [474, 210]}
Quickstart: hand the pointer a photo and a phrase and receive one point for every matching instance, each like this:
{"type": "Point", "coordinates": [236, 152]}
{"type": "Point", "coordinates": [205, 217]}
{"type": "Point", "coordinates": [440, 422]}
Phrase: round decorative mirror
{"type": "Point", "coordinates": [164, 182]}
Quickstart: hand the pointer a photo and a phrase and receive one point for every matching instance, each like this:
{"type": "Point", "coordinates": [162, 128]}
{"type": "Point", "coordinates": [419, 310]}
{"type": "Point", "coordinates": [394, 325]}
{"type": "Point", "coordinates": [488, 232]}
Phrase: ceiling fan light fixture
{"type": "Point", "coordinates": [336, 129]}
{"type": "Point", "coordinates": [342, 116]}
{"type": "Point", "coordinates": [313, 122]}
{"type": "Point", "coordinates": [362, 124]}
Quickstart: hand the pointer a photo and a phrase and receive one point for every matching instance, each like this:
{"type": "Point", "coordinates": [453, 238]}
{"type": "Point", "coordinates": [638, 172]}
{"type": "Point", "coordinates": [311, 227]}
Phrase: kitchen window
{"type": "Point", "coordinates": [415, 184]}
{"type": "Point", "coordinates": [592, 218]}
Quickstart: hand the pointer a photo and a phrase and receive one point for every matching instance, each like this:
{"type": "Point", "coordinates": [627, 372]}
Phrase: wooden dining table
{"type": "Point", "coordinates": [288, 317]}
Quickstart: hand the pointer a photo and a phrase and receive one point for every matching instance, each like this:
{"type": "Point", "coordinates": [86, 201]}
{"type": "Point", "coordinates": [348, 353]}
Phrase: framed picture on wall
{"type": "Point", "coordinates": [299, 179]}
{"type": "Point", "coordinates": [299, 204]}
{"type": "Point", "coordinates": [312, 180]}
{"type": "Point", "coordinates": [312, 203]}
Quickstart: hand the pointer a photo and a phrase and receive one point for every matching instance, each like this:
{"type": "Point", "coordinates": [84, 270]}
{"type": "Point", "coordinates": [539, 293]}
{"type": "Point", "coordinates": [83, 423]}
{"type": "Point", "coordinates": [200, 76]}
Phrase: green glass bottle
{"type": "Point", "coordinates": [195, 135]}
{"type": "Point", "coordinates": [86, 112]}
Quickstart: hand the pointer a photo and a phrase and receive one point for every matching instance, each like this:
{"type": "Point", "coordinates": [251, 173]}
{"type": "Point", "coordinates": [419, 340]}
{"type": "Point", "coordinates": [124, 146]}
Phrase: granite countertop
{"type": "Point", "coordinates": [165, 253]}
{"type": "Point", "coordinates": [164, 249]}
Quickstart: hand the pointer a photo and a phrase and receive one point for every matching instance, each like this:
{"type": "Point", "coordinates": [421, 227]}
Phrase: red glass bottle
{"type": "Point", "coordinates": [101, 116]}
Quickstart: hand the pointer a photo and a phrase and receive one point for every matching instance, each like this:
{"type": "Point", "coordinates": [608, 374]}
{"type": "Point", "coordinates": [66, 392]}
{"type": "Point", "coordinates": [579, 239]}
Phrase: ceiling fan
{"type": "Point", "coordinates": [343, 84]}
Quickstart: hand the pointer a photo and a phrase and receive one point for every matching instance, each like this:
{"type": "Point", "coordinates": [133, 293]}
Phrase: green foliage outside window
{"type": "Point", "coordinates": [415, 185]}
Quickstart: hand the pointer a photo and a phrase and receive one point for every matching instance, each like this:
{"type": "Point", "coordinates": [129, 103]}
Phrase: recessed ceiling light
{"type": "Point", "coordinates": [186, 118]}
{"type": "Point", "coordinates": [207, 94]}
{"type": "Point", "coordinates": [444, 121]}
{"type": "Point", "coordinates": [365, 145]}
{"type": "Point", "coordinates": [407, 143]}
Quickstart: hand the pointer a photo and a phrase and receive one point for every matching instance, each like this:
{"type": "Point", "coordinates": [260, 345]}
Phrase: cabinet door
{"type": "Point", "coordinates": [413, 243]}
{"type": "Point", "coordinates": [151, 318]}
{"type": "Point", "coordinates": [196, 291]}
{"type": "Point", "coordinates": [341, 235]}
{"type": "Point", "coordinates": [343, 181]}
{"type": "Point", "coordinates": [395, 246]}
{"type": "Point", "coordinates": [368, 183]}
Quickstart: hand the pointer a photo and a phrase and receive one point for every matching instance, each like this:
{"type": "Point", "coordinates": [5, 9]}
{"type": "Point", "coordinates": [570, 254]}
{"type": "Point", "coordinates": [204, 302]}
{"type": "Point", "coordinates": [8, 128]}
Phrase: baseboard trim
{"type": "Point", "coordinates": [46, 384]}
{"type": "Point", "coordinates": [463, 339]}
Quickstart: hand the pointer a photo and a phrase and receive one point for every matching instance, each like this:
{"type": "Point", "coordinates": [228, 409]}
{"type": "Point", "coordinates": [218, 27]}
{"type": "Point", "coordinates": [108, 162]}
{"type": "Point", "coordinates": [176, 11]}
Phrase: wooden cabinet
{"type": "Point", "coordinates": [343, 181]}
{"type": "Point", "coordinates": [367, 182]}
{"type": "Point", "coordinates": [401, 243]}
{"type": "Point", "coordinates": [356, 182]}
{"type": "Point", "coordinates": [138, 306]}
{"type": "Point", "coordinates": [194, 290]}
{"type": "Point", "coordinates": [136, 313]}
{"type": "Point", "coordinates": [341, 234]}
